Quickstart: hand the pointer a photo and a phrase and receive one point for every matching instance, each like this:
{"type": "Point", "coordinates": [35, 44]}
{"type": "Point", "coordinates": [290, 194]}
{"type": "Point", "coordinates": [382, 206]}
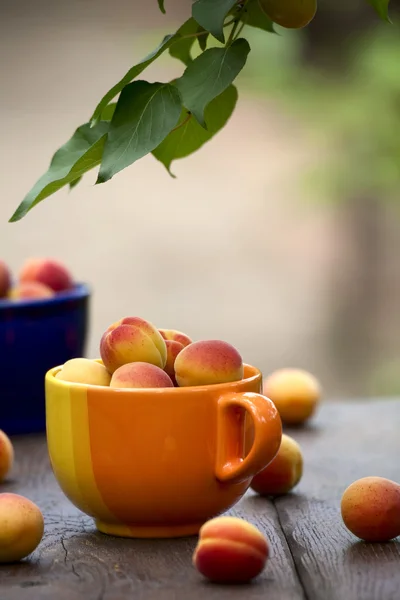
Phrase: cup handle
{"type": "Point", "coordinates": [231, 466]}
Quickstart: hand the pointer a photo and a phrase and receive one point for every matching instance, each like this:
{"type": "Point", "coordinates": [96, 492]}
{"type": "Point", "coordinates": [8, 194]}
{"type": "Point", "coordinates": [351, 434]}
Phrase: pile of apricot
{"type": "Point", "coordinates": [38, 278]}
{"type": "Point", "coordinates": [135, 354]}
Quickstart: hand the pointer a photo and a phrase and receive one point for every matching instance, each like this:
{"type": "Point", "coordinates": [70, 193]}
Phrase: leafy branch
{"type": "Point", "coordinates": [170, 120]}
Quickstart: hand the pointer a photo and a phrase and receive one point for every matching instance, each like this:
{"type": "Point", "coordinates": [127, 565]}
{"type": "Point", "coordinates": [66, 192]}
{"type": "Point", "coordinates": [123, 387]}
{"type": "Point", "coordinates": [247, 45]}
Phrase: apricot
{"type": "Point", "coordinates": [6, 455]}
{"type": "Point", "coordinates": [84, 370]}
{"type": "Point", "coordinates": [370, 509]}
{"type": "Point", "coordinates": [292, 14]}
{"type": "Point", "coordinates": [5, 279]}
{"type": "Point", "coordinates": [21, 527]}
{"type": "Point", "coordinates": [173, 349]}
{"type": "Point", "coordinates": [230, 550]}
{"type": "Point", "coordinates": [176, 336]}
{"type": "Point", "coordinates": [48, 271]}
{"type": "Point", "coordinates": [140, 375]}
{"type": "Point", "coordinates": [208, 362]}
{"type": "Point", "coordinates": [283, 473]}
{"type": "Point", "coordinates": [132, 339]}
{"type": "Point", "coordinates": [295, 393]}
{"type": "Point", "coordinates": [30, 289]}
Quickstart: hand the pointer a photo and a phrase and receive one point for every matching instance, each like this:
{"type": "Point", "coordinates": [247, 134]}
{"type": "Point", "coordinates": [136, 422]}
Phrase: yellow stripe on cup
{"type": "Point", "coordinates": [60, 441]}
{"type": "Point", "coordinates": [68, 442]}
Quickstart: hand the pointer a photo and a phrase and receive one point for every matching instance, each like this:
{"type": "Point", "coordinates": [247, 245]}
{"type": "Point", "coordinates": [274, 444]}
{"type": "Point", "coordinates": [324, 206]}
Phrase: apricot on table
{"type": "Point", "coordinates": [140, 375]}
{"type": "Point", "coordinates": [370, 509]}
{"type": "Point", "coordinates": [48, 271]}
{"type": "Point", "coordinates": [21, 527]}
{"type": "Point", "coordinates": [176, 336]}
{"type": "Point", "coordinates": [6, 455]}
{"type": "Point", "coordinates": [230, 550]}
{"type": "Point", "coordinates": [283, 473]}
{"type": "Point", "coordinates": [208, 362]}
{"type": "Point", "coordinates": [84, 370]}
{"type": "Point", "coordinates": [292, 14]}
{"type": "Point", "coordinates": [30, 289]}
{"type": "Point", "coordinates": [295, 393]}
{"type": "Point", "coordinates": [5, 279]}
{"type": "Point", "coordinates": [132, 339]}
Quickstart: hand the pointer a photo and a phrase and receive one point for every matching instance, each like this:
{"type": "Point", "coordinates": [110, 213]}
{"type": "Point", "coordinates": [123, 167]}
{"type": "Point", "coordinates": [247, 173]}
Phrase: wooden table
{"type": "Point", "coordinates": [313, 555]}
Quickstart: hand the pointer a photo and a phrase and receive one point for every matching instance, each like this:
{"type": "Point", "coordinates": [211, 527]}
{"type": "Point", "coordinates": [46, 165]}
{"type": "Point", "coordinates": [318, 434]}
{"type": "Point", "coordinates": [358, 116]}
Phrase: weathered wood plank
{"type": "Point", "coordinates": [345, 443]}
{"type": "Point", "coordinates": [74, 562]}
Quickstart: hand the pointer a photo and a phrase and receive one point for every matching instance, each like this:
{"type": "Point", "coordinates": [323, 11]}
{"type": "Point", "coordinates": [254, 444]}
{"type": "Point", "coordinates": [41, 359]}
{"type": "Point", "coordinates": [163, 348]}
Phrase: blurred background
{"type": "Point", "coordinates": [280, 236]}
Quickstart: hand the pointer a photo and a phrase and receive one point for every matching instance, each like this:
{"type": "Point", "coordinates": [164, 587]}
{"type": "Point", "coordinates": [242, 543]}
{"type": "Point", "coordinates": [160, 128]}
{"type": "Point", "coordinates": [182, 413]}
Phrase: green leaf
{"type": "Point", "coordinates": [382, 8]}
{"type": "Point", "coordinates": [108, 112]}
{"type": "Point", "coordinates": [161, 6]}
{"type": "Point", "coordinates": [145, 114]}
{"type": "Point", "coordinates": [81, 153]}
{"type": "Point", "coordinates": [211, 14]}
{"type": "Point", "coordinates": [209, 75]}
{"type": "Point", "coordinates": [180, 49]}
{"type": "Point", "coordinates": [202, 38]}
{"type": "Point", "coordinates": [190, 136]}
{"type": "Point", "coordinates": [254, 16]}
{"type": "Point", "coordinates": [130, 75]}
{"type": "Point", "coordinates": [75, 182]}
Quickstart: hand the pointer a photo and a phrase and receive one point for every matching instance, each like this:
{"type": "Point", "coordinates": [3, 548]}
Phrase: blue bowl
{"type": "Point", "coordinates": [35, 335]}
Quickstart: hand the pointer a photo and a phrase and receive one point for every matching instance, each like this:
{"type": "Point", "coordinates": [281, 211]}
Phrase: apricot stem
{"type": "Point", "coordinates": [199, 33]}
{"type": "Point", "coordinates": [239, 31]}
{"type": "Point", "coordinates": [190, 35]}
{"type": "Point", "coordinates": [236, 24]}
{"type": "Point", "coordinates": [232, 33]}
{"type": "Point", "coordinates": [230, 22]}
{"type": "Point", "coordinates": [188, 116]}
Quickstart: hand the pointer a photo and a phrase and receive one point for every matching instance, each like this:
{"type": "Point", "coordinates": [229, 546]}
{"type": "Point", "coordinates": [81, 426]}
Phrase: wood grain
{"type": "Point", "coordinates": [75, 562]}
{"type": "Point", "coordinates": [313, 556]}
{"type": "Point", "coordinates": [346, 442]}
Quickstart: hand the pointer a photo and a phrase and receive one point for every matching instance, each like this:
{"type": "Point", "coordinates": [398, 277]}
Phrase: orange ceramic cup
{"type": "Point", "coordinates": [158, 462]}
